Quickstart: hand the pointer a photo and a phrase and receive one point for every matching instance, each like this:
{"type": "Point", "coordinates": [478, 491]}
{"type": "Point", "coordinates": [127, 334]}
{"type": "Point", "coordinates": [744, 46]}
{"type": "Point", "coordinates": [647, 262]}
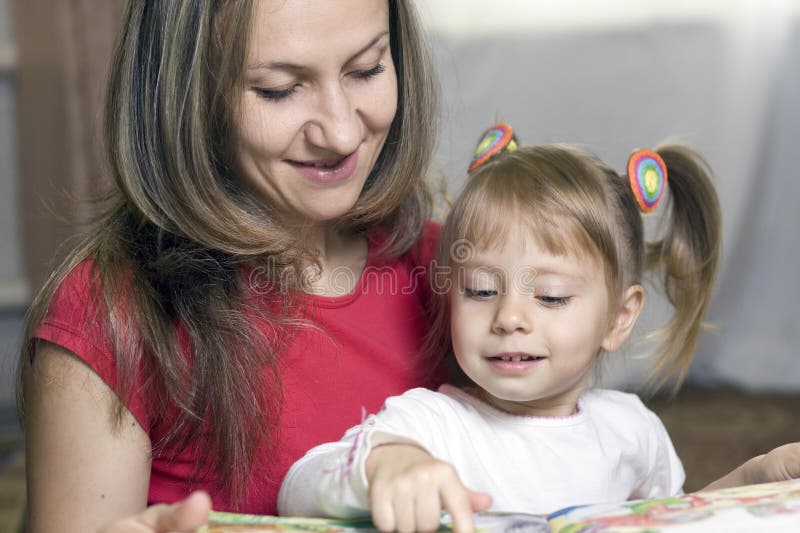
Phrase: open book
{"type": "Point", "coordinates": [750, 509]}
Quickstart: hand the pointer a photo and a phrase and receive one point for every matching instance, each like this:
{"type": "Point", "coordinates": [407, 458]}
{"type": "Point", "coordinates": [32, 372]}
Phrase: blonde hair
{"type": "Point", "coordinates": [178, 226]}
{"type": "Point", "coordinates": [576, 204]}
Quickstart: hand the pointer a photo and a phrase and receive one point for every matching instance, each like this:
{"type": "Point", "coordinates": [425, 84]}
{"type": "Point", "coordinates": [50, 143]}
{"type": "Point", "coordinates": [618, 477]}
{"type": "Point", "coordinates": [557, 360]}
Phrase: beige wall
{"type": "Point", "coordinates": [63, 51]}
{"type": "Point", "coordinates": [12, 287]}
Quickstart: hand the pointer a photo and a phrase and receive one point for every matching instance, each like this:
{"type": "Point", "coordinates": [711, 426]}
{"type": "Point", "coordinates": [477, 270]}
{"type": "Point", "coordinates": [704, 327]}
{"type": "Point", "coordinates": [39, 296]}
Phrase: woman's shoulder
{"type": "Point", "coordinates": [431, 232]}
{"type": "Point", "coordinates": [76, 312]}
{"type": "Point", "coordinates": [421, 250]}
{"type": "Point", "coordinates": [84, 282]}
{"type": "Point", "coordinates": [425, 248]}
{"type": "Point", "coordinates": [79, 289]}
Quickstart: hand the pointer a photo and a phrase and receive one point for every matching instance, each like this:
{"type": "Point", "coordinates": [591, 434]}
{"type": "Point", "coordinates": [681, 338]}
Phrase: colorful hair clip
{"type": "Point", "coordinates": [499, 138]}
{"type": "Point", "coordinates": [647, 173]}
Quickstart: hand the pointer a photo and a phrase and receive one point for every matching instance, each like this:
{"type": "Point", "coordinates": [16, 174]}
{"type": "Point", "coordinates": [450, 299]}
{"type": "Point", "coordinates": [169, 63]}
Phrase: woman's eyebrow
{"type": "Point", "coordinates": [286, 65]}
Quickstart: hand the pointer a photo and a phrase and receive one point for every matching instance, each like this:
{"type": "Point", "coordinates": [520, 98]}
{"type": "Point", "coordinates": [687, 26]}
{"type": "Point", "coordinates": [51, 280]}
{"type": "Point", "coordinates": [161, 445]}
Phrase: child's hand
{"type": "Point", "coordinates": [780, 464]}
{"type": "Point", "coordinates": [186, 516]}
{"type": "Point", "coordinates": [408, 490]}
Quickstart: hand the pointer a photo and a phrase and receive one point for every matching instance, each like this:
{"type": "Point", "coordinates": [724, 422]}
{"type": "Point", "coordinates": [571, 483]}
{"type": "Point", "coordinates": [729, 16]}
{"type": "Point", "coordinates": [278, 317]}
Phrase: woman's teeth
{"type": "Point", "coordinates": [323, 164]}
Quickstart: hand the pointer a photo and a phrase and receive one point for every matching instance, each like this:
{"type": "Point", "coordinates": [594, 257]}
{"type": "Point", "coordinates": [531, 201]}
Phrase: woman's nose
{"type": "Point", "coordinates": [335, 125]}
{"type": "Point", "coordinates": [512, 316]}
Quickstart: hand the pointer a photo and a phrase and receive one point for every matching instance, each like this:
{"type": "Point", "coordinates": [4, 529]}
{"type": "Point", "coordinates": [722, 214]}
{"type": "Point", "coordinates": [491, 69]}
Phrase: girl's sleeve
{"type": "Point", "coordinates": [330, 480]}
{"type": "Point", "coordinates": [666, 474]}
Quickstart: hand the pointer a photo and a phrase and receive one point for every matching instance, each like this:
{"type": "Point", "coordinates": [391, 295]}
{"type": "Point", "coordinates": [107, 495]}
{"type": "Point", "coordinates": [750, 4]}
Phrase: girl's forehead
{"type": "Point", "coordinates": [555, 236]}
{"type": "Point", "coordinates": [528, 252]}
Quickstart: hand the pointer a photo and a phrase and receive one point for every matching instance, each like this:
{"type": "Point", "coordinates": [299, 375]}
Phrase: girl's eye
{"type": "Point", "coordinates": [367, 74]}
{"type": "Point", "coordinates": [554, 301]}
{"type": "Point", "coordinates": [479, 294]}
{"type": "Point", "coordinates": [274, 94]}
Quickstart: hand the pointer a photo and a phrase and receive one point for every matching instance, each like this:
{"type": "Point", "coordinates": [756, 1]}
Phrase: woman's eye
{"type": "Point", "coordinates": [366, 74]}
{"type": "Point", "coordinates": [274, 94]}
{"type": "Point", "coordinates": [479, 294]}
{"type": "Point", "coordinates": [554, 301]}
{"type": "Point", "coordinates": [280, 94]}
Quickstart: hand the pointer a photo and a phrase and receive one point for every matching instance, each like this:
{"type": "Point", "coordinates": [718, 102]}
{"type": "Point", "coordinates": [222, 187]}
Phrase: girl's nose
{"type": "Point", "coordinates": [512, 316]}
{"type": "Point", "coordinates": [336, 125]}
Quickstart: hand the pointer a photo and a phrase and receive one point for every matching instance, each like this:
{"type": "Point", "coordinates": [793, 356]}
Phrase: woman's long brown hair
{"type": "Point", "coordinates": [168, 250]}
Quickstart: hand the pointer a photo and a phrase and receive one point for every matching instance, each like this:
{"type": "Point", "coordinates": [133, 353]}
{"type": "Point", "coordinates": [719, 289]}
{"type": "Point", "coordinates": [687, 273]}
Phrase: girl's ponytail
{"type": "Point", "coordinates": [687, 257]}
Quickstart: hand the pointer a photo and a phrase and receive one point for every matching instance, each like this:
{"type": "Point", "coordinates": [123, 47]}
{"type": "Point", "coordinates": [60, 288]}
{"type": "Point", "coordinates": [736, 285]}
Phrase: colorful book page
{"type": "Point", "coordinates": [748, 509]}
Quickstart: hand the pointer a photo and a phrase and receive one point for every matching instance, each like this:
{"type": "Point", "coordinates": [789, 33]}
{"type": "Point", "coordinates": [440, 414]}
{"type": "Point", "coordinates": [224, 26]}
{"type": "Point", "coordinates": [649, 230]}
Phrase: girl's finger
{"type": "Point", "coordinates": [479, 501]}
{"type": "Point", "coordinates": [455, 499]}
{"type": "Point", "coordinates": [382, 510]}
{"type": "Point", "coordinates": [405, 514]}
{"type": "Point", "coordinates": [428, 509]}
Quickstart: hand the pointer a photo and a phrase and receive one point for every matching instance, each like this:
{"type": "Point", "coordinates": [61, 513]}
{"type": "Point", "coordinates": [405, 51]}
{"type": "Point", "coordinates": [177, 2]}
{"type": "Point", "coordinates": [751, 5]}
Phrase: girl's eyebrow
{"type": "Point", "coordinates": [556, 273]}
{"type": "Point", "coordinates": [483, 267]}
{"type": "Point", "coordinates": [540, 271]}
{"type": "Point", "coordinates": [285, 65]}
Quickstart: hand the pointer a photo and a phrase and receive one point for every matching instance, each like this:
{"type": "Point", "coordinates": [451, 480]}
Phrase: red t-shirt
{"type": "Point", "coordinates": [368, 350]}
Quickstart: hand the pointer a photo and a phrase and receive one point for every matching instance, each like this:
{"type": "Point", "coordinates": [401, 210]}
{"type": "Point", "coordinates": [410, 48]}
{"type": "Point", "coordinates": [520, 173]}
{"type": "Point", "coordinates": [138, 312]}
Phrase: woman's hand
{"type": "Point", "coordinates": [184, 516]}
{"type": "Point", "coordinates": [780, 464]}
{"type": "Point", "coordinates": [408, 490]}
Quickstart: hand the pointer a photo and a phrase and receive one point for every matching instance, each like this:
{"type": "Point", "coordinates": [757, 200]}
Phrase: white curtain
{"type": "Point", "coordinates": [722, 76]}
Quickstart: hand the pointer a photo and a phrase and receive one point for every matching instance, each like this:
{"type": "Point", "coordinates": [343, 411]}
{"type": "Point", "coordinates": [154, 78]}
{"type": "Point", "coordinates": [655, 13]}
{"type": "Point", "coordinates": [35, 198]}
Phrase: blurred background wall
{"type": "Point", "coordinates": [13, 293]}
{"type": "Point", "coordinates": [54, 61]}
{"type": "Point", "coordinates": [616, 75]}
{"type": "Point", "coordinates": [613, 75]}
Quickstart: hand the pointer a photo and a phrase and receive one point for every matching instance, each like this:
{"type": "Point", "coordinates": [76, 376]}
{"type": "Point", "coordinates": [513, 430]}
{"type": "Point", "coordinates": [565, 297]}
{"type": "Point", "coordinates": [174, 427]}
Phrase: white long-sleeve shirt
{"type": "Point", "coordinates": [612, 449]}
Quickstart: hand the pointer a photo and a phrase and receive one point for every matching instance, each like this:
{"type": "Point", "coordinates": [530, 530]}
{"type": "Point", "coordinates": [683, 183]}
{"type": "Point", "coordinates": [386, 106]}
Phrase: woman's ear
{"type": "Point", "coordinates": [628, 312]}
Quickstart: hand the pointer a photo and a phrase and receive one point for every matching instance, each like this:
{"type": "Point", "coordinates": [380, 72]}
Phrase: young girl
{"type": "Point", "coordinates": [544, 259]}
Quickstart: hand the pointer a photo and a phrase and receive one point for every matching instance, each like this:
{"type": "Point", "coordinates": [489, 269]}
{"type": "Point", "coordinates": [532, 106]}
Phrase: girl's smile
{"type": "Point", "coordinates": [514, 363]}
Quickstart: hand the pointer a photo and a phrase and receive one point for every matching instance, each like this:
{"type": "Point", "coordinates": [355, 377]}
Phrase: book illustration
{"type": "Point", "coordinates": [768, 507]}
{"type": "Point", "coordinates": [765, 507]}
{"type": "Point", "coordinates": [233, 522]}
{"type": "Point", "coordinates": [484, 523]}
{"type": "Point", "coordinates": [506, 523]}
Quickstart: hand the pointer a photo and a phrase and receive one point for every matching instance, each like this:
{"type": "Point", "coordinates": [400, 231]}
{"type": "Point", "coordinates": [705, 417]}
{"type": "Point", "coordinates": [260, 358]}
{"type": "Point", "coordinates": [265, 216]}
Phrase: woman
{"type": "Point", "coordinates": [224, 315]}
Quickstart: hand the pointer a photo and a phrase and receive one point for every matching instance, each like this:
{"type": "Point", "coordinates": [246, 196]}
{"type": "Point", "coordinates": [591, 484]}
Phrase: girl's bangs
{"type": "Point", "coordinates": [501, 200]}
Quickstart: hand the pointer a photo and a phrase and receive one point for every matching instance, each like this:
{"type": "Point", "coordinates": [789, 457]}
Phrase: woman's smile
{"type": "Point", "coordinates": [327, 171]}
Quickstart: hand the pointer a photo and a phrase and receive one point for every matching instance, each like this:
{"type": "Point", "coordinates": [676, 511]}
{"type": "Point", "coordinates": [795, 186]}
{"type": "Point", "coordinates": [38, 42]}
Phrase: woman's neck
{"type": "Point", "coordinates": [342, 257]}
